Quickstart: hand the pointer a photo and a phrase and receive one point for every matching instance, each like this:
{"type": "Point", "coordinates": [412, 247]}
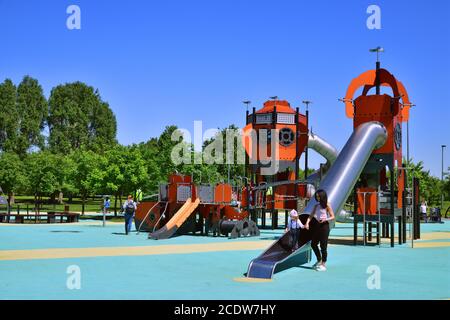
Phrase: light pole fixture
{"type": "Point", "coordinates": [273, 98]}
{"type": "Point", "coordinates": [378, 50]}
{"type": "Point", "coordinates": [307, 103]}
{"type": "Point", "coordinates": [247, 103]}
{"type": "Point", "coordinates": [407, 133]}
{"type": "Point", "coordinates": [442, 176]}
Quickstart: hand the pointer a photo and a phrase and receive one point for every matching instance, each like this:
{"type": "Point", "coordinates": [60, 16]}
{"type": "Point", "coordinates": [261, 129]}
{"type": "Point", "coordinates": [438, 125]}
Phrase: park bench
{"type": "Point", "coordinates": [49, 217]}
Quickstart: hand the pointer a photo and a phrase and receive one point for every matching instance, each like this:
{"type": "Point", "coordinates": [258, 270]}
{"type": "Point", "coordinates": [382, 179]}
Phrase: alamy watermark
{"type": "Point", "coordinates": [374, 20]}
{"type": "Point", "coordinates": [73, 281]}
{"type": "Point", "coordinates": [374, 280]}
{"type": "Point", "coordinates": [73, 21]}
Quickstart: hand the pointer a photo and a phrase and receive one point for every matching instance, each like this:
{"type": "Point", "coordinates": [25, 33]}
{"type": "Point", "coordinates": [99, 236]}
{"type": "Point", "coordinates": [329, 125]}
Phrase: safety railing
{"type": "Point", "coordinates": [364, 213]}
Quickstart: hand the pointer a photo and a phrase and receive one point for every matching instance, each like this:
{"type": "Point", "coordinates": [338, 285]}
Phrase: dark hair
{"type": "Point", "coordinates": [323, 198]}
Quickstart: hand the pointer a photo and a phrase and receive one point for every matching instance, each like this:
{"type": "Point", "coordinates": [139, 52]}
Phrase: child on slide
{"type": "Point", "coordinates": [293, 227]}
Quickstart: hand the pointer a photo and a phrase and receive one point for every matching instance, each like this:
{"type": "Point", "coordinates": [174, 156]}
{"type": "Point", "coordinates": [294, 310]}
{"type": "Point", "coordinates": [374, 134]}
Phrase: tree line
{"type": "Point", "coordinates": [66, 145]}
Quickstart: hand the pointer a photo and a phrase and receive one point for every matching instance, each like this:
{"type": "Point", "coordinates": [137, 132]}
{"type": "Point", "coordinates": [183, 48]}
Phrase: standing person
{"type": "Point", "coordinates": [320, 217]}
{"type": "Point", "coordinates": [423, 211]}
{"type": "Point", "coordinates": [139, 195]}
{"type": "Point", "coordinates": [129, 208]}
{"type": "Point", "coordinates": [106, 205]}
{"type": "Point", "coordinates": [293, 227]}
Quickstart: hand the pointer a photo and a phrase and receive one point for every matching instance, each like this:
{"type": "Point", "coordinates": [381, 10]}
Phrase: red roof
{"type": "Point", "coordinates": [282, 106]}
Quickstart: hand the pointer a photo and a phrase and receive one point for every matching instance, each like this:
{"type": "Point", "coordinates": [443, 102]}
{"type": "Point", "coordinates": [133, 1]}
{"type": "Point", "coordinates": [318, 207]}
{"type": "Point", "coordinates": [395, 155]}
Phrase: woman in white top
{"type": "Point", "coordinates": [320, 217]}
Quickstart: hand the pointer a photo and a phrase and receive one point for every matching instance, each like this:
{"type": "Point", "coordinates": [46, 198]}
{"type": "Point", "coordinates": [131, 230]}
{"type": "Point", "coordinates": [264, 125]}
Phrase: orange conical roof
{"type": "Point", "coordinates": [282, 106]}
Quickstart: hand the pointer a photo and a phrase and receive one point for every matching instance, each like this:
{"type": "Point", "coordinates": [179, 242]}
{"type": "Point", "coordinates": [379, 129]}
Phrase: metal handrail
{"type": "Point", "coordinates": [161, 217]}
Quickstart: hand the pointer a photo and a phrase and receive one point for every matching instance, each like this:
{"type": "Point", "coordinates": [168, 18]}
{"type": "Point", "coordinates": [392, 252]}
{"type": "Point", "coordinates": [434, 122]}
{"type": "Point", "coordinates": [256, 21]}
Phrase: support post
{"type": "Point", "coordinates": [355, 214]}
{"type": "Point", "coordinates": [392, 205]}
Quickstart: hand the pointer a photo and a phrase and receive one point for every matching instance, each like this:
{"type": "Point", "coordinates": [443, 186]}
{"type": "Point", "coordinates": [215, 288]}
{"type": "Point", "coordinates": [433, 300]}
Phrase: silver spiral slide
{"type": "Point", "coordinates": [338, 183]}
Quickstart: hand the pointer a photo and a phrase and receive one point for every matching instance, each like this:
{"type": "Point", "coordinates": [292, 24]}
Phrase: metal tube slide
{"type": "Point", "coordinates": [343, 174]}
{"type": "Point", "coordinates": [322, 147]}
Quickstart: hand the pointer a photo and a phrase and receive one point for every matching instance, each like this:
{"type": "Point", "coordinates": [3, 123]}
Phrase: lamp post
{"type": "Point", "coordinates": [247, 103]}
{"type": "Point", "coordinates": [378, 50]}
{"type": "Point", "coordinates": [407, 133]}
{"type": "Point", "coordinates": [306, 103]}
{"type": "Point", "coordinates": [442, 176]}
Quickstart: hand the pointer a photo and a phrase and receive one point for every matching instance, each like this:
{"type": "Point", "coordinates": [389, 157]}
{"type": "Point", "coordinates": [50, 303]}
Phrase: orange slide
{"type": "Point", "coordinates": [177, 220]}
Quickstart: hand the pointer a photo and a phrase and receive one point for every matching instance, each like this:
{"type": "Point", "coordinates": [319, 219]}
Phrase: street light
{"type": "Point", "coordinates": [306, 103]}
{"type": "Point", "coordinates": [273, 98]}
{"type": "Point", "coordinates": [407, 132]}
{"type": "Point", "coordinates": [247, 103]}
{"type": "Point", "coordinates": [442, 176]}
{"type": "Point", "coordinates": [378, 50]}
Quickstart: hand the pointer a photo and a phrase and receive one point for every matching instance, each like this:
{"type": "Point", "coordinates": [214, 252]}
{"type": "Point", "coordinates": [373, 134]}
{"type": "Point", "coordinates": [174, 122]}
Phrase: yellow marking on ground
{"type": "Point", "coordinates": [435, 236]}
{"type": "Point", "coordinates": [131, 251]}
{"type": "Point", "coordinates": [81, 223]}
{"type": "Point", "coordinates": [252, 280]}
{"type": "Point", "coordinates": [431, 244]}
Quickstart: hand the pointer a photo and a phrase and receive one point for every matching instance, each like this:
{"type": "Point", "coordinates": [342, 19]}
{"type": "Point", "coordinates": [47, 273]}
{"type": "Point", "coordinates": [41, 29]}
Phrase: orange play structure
{"type": "Point", "coordinates": [184, 207]}
{"type": "Point", "coordinates": [381, 191]}
{"type": "Point", "coordinates": [222, 209]}
{"type": "Point", "coordinates": [277, 133]}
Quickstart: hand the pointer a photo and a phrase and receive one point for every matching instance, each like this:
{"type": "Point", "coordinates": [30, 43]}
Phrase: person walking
{"type": "Point", "coordinates": [320, 217]}
{"type": "Point", "coordinates": [423, 211]}
{"type": "Point", "coordinates": [129, 208]}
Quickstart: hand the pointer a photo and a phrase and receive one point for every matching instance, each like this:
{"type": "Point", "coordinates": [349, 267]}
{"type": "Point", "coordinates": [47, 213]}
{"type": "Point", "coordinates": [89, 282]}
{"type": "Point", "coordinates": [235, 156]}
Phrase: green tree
{"type": "Point", "coordinates": [32, 110]}
{"type": "Point", "coordinates": [232, 150]}
{"type": "Point", "coordinates": [87, 176]}
{"type": "Point", "coordinates": [124, 171]}
{"type": "Point", "coordinates": [446, 185]}
{"type": "Point", "coordinates": [149, 152]}
{"type": "Point", "coordinates": [79, 118]}
{"type": "Point", "coordinates": [102, 127]}
{"type": "Point", "coordinates": [65, 171]}
{"type": "Point", "coordinates": [12, 174]}
{"type": "Point", "coordinates": [165, 146]}
{"type": "Point", "coordinates": [9, 117]}
{"type": "Point", "coordinates": [42, 176]}
{"type": "Point", "coordinates": [430, 186]}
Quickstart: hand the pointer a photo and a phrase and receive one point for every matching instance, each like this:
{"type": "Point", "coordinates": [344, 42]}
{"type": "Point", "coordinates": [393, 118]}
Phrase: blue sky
{"type": "Point", "coordinates": [173, 62]}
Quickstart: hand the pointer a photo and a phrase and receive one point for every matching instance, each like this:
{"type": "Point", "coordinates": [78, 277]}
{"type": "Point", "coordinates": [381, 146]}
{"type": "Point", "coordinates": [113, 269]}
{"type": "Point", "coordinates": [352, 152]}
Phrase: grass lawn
{"type": "Point", "coordinates": [91, 205]}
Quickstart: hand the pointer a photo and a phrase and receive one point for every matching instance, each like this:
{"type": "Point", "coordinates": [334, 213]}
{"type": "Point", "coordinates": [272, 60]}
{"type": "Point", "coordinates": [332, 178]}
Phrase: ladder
{"type": "Point", "coordinates": [377, 222]}
{"type": "Point", "coordinates": [409, 209]}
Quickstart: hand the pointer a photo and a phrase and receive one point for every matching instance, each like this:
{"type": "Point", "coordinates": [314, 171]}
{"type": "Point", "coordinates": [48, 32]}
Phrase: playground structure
{"type": "Point", "coordinates": [222, 209]}
{"type": "Point", "coordinates": [370, 166]}
{"type": "Point", "coordinates": [382, 194]}
{"type": "Point", "coordinates": [184, 207]}
{"type": "Point", "coordinates": [275, 138]}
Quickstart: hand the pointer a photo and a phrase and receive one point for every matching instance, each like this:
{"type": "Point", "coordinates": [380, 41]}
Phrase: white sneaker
{"type": "Point", "coordinates": [315, 265]}
{"type": "Point", "coordinates": [321, 268]}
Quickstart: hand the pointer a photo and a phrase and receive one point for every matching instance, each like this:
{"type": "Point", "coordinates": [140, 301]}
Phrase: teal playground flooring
{"type": "Point", "coordinates": [34, 261]}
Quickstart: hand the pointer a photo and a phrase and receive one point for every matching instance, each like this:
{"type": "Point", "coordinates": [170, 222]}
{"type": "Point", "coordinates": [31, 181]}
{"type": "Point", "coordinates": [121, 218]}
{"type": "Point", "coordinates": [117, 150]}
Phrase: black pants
{"type": "Point", "coordinates": [294, 238]}
{"type": "Point", "coordinates": [321, 231]}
